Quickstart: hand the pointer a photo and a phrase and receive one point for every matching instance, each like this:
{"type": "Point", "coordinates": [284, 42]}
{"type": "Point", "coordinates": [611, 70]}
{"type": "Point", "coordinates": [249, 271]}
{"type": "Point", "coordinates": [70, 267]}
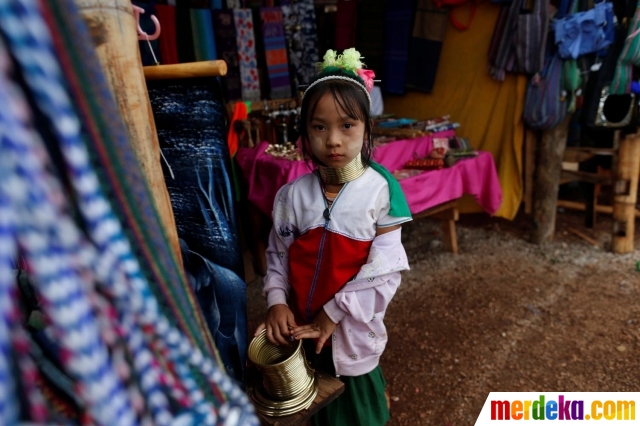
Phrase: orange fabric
{"type": "Point", "coordinates": [489, 112]}
{"type": "Point", "coordinates": [240, 112]}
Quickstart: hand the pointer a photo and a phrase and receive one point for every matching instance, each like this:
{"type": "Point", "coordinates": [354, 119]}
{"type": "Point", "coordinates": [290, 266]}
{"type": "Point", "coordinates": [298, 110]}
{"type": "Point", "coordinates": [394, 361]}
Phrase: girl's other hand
{"type": "Point", "coordinates": [321, 329]}
{"type": "Point", "coordinates": [279, 324]}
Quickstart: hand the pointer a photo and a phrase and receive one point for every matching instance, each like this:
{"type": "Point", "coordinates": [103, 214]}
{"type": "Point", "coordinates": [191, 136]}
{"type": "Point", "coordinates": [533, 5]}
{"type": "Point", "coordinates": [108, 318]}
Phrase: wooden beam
{"type": "Point", "coordinates": [575, 205]}
{"type": "Point", "coordinates": [567, 176]}
{"type": "Point", "coordinates": [547, 180]}
{"type": "Point", "coordinates": [189, 70]}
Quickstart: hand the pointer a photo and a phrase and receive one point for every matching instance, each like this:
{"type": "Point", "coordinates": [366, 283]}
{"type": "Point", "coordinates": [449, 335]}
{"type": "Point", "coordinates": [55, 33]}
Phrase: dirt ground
{"type": "Point", "coordinates": [505, 315]}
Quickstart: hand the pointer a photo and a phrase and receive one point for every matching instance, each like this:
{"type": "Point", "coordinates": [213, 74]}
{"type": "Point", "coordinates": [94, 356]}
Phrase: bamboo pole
{"type": "Point", "coordinates": [625, 194]}
{"type": "Point", "coordinates": [188, 70]}
{"type": "Point", "coordinates": [114, 32]}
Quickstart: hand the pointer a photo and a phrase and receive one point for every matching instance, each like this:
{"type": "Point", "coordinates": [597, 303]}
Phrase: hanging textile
{"type": "Point", "coordinates": [396, 48]}
{"type": "Point", "coordinates": [184, 35]}
{"type": "Point", "coordinates": [167, 41]}
{"type": "Point", "coordinates": [429, 28]}
{"type": "Point", "coordinates": [225, 35]}
{"type": "Point", "coordinates": [247, 54]}
{"type": "Point", "coordinates": [346, 24]}
{"type": "Point", "coordinates": [310, 55]}
{"type": "Point", "coordinates": [275, 52]}
{"type": "Point", "coordinates": [129, 363]}
{"type": "Point", "coordinates": [203, 40]}
{"type": "Point", "coordinates": [300, 33]}
{"type": "Point", "coordinates": [370, 37]}
{"type": "Point", "coordinates": [190, 117]}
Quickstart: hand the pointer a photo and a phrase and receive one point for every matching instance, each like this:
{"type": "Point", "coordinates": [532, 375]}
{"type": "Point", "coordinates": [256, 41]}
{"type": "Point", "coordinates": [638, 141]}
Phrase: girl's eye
{"type": "Point", "coordinates": [318, 127]}
{"type": "Point", "coordinates": [348, 125]}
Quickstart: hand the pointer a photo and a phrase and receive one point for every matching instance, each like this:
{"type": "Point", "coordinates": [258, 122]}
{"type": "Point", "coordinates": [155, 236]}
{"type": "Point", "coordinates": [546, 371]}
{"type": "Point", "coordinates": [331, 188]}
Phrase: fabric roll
{"type": "Point", "coordinates": [167, 41]}
{"type": "Point", "coordinates": [396, 46]}
{"type": "Point", "coordinates": [275, 52]}
{"type": "Point", "coordinates": [184, 35]}
{"type": "Point", "coordinates": [370, 37]}
{"type": "Point", "coordinates": [245, 41]}
{"type": "Point", "coordinates": [225, 36]}
{"type": "Point", "coordinates": [203, 39]}
{"type": "Point", "coordinates": [346, 24]}
{"type": "Point", "coordinates": [429, 28]}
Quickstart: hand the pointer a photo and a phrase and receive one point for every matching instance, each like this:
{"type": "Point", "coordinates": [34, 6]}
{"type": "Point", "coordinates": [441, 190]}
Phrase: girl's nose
{"type": "Point", "coordinates": [333, 139]}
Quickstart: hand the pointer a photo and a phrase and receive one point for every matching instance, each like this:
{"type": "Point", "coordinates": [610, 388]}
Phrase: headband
{"type": "Point", "coordinates": [350, 65]}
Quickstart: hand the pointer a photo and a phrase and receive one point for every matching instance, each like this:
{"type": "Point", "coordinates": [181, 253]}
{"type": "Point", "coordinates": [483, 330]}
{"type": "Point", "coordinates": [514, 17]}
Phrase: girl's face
{"type": "Point", "coordinates": [334, 138]}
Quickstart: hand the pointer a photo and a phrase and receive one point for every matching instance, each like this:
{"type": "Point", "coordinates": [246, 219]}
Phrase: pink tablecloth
{"type": "Point", "coordinates": [474, 176]}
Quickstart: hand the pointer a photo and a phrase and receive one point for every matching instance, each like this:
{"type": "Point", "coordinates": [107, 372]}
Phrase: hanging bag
{"type": "Point", "coordinates": [545, 104]}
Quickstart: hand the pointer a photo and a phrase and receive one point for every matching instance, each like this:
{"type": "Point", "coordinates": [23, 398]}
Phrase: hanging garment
{"type": "Point", "coordinates": [346, 24]}
{"type": "Point", "coordinates": [225, 36]}
{"type": "Point", "coordinates": [203, 39]}
{"type": "Point", "coordinates": [275, 51]}
{"type": "Point", "coordinates": [396, 47]}
{"type": "Point", "coordinates": [167, 41]}
{"type": "Point", "coordinates": [519, 40]}
{"type": "Point", "coordinates": [184, 33]}
{"type": "Point", "coordinates": [310, 56]}
{"type": "Point", "coordinates": [190, 117]}
{"type": "Point", "coordinates": [295, 47]}
{"type": "Point", "coordinates": [247, 54]}
{"type": "Point", "coordinates": [370, 36]}
{"type": "Point", "coordinates": [429, 28]}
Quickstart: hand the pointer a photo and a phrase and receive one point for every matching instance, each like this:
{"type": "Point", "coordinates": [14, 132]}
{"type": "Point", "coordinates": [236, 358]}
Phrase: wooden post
{"type": "Point", "coordinates": [625, 190]}
{"type": "Point", "coordinates": [547, 181]}
{"type": "Point", "coordinates": [530, 139]}
{"type": "Point", "coordinates": [114, 32]}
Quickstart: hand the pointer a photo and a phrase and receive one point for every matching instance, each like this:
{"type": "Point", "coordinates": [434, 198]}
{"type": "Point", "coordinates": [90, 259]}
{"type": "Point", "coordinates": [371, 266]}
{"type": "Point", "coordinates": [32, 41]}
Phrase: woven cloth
{"type": "Point", "coordinates": [275, 51]}
{"type": "Point", "coordinates": [396, 49]}
{"type": "Point", "coordinates": [38, 209]}
{"type": "Point", "coordinates": [247, 54]}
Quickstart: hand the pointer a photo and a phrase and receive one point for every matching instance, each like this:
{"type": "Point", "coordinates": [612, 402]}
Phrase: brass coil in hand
{"type": "Point", "coordinates": [288, 383]}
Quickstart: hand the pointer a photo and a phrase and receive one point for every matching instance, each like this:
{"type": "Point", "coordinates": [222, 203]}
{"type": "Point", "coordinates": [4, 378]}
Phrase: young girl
{"type": "Point", "coordinates": [335, 252]}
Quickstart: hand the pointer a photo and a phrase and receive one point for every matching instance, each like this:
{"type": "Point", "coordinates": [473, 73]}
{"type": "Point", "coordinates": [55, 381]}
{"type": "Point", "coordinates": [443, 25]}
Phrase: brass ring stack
{"type": "Point", "coordinates": [288, 383]}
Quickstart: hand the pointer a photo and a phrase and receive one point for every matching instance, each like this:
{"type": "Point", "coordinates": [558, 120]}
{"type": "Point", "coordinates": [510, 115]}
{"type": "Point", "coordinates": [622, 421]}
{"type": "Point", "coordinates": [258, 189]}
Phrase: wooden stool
{"type": "Point", "coordinates": [448, 214]}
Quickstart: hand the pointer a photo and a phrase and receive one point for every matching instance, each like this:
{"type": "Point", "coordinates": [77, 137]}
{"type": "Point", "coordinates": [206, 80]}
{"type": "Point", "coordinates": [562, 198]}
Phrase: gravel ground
{"type": "Point", "coordinates": [505, 315]}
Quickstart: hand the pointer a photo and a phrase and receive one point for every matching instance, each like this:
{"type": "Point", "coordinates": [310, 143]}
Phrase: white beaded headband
{"type": "Point", "coordinates": [338, 77]}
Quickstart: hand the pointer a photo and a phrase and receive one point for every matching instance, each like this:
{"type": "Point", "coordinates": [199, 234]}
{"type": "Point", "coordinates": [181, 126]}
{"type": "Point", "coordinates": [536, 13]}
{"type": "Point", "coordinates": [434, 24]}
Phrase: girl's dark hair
{"type": "Point", "coordinates": [350, 97]}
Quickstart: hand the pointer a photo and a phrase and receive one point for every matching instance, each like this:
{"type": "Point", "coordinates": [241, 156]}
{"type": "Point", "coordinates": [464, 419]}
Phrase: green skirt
{"type": "Point", "coordinates": [362, 403]}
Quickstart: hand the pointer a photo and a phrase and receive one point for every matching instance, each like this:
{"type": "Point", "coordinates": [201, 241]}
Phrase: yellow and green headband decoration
{"type": "Point", "coordinates": [348, 63]}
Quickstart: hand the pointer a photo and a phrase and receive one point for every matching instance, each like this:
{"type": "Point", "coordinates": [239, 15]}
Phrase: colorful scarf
{"type": "Point", "coordinates": [275, 52]}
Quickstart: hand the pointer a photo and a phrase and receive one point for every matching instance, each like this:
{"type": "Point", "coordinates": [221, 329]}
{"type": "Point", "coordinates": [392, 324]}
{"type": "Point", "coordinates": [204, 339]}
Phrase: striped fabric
{"type": "Point", "coordinates": [247, 54]}
{"type": "Point", "coordinates": [275, 52]}
{"type": "Point", "coordinates": [69, 266]}
{"type": "Point", "coordinates": [629, 57]}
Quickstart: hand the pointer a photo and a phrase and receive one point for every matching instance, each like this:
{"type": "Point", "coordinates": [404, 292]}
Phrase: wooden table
{"type": "Point", "coordinates": [329, 388]}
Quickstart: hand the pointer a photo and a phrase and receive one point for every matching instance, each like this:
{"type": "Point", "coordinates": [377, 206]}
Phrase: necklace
{"type": "Point", "coordinates": [351, 171]}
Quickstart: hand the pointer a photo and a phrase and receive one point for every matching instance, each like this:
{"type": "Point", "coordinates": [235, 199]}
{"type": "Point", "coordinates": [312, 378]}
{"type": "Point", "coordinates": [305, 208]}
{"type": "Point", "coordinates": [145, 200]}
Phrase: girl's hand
{"type": "Point", "coordinates": [321, 329]}
{"type": "Point", "coordinates": [279, 324]}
